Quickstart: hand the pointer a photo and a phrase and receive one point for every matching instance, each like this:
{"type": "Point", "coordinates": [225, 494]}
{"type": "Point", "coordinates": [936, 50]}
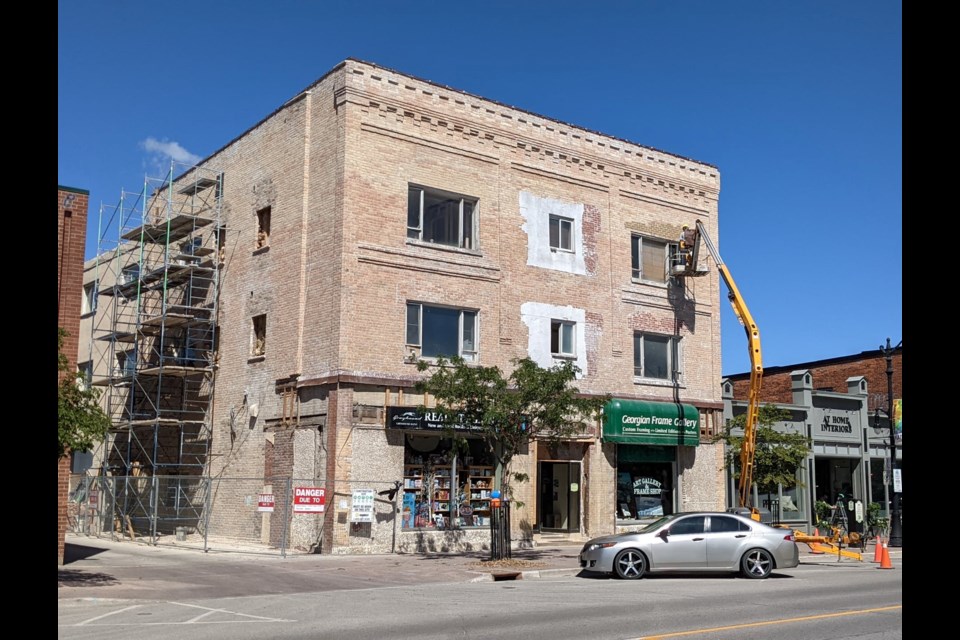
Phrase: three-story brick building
{"type": "Point", "coordinates": [376, 219]}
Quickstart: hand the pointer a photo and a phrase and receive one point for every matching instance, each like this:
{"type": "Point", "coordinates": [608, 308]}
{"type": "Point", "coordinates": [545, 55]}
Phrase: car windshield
{"type": "Point", "coordinates": [656, 524]}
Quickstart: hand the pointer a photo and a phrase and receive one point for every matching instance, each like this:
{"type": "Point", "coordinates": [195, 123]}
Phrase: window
{"type": "Point", "coordinates": [645, 481]}
{"type": "Point", "coordinates": [221, 244]}
{"type": "Point", "coordinates": [130, 274]}
{"type": "Point", "coordinates": [649, 258]}
{"type": "Point", "coordinates": [89, 302]}
{"type": "Point", "coordinates": [561, 234]}
{"type": "Point", "coordinates": [724, 524]}
{"type": "Point", "coordinates": [258, 342]}
{"type": "Point", "coordinates": [441, 218]}
{"type": "Point", "coordinates": [445, 486]}
{"type": "Point", "coordinates": [688, 526]}
{"type": "Point", "coordinates": [655, 356]}
{"type": "Point", "coordinates": [562, 342]}
{"type": "Point", "coordinates": [126, 363]}
{"type": "Point", "coordinates": [442, 331]}
{"type": "Point", "coordinates": [85, 369]}
{"type": "Point", "coordinates": [263, 227]}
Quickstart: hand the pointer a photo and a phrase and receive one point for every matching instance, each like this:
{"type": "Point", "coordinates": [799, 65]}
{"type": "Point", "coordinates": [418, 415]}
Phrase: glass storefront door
{"type": "Point", "coordinates": [559, 495]}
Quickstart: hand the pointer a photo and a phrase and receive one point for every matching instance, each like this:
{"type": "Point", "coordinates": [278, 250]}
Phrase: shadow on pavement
{"type": "Point", "coordinates": [70, 578]}
{"type": "Point", "coordinates": [73, 552]}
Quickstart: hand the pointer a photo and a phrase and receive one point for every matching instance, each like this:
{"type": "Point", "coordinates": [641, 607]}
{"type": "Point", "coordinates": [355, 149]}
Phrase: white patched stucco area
{"type": "Point", "coordinates": [536, 212]}
{"type": "Point", "coordinates": [537, 317]}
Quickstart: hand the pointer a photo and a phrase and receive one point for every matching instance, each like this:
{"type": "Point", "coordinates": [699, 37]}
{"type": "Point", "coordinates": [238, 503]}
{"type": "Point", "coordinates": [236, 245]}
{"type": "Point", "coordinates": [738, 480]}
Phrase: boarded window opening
{"type": "Point", "coordinates": [259, 342]}
{"type": "Point", "coordinates": [263, 227]}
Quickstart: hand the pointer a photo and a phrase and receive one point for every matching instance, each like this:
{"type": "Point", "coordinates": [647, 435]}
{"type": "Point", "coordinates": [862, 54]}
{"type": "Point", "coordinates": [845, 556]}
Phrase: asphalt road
{"type": "Point", "coordinates": [822, 598]}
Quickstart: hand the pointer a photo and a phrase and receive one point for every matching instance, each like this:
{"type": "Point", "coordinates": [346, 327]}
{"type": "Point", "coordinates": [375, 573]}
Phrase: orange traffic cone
{"type": "Point", "coordinates": [878, 551]}
{"type": "Point", "coordinates": [885, 561]}
{"type": "Point", "coordinates": [814, 551]}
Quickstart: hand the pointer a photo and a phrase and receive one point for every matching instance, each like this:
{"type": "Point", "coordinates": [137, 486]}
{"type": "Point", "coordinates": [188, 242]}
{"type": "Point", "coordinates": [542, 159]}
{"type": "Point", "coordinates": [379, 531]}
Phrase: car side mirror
{"type": "Point", "coordinates": [663, 533]}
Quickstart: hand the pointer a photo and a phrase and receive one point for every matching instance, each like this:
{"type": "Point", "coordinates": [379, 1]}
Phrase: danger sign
{"type": "Point", "coordinates": [308, 499]}
{"type": "Point", "coordinates": [265, 502]}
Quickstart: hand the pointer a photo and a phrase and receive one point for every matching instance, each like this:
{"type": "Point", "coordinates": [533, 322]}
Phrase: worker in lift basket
{"type": "Point", "coordinates": [687, 240]}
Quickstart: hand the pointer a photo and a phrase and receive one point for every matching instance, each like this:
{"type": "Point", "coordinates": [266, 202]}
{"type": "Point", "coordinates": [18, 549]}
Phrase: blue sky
{"type": "Point", "coordinates": [797, 104]}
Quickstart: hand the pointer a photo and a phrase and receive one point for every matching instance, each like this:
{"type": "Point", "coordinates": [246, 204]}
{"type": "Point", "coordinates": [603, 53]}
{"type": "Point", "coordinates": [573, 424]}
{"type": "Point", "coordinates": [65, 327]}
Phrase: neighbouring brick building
{"type": "Point", "coordinates": [72, 207]}
{"type": "Point", "coordinates": [375, 219]}
{"type": "Point", "coordinates": [841, 404]}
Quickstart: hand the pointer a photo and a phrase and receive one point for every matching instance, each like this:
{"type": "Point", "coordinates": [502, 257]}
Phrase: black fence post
{"type": "Point", "coordinates": [506, 530]}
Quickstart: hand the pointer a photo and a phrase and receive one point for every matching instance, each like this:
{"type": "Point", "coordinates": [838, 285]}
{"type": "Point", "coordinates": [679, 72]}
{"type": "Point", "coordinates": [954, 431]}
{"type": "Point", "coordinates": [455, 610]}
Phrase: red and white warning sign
{"type": "Point", "coordinates": [308, 499]}
{"type": "Point", "coordinates": [266, 502]}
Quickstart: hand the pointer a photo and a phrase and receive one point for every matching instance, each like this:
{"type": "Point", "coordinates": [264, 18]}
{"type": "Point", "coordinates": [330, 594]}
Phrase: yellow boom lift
{"type": "Point", "coordinates": [686, 265]}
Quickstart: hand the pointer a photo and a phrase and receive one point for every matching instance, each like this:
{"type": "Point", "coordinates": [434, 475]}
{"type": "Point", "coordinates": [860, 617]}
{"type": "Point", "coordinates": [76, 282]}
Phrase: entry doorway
{"type": "Point", "coordinates": [559, 495]}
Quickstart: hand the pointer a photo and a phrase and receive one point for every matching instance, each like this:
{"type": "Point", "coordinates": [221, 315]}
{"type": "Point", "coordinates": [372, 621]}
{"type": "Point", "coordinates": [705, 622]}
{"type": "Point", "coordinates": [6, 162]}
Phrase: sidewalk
{"type": "Point", "coordinates": [106, 569]}
{"type": "Point", "coordinates": [100, 568]}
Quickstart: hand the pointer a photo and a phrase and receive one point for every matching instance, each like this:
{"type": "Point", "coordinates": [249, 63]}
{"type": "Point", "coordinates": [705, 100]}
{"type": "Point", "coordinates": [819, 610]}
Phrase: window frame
{"type": "Point", "coordinates": [465, 241]}
{"type": "Point", "coordinates": [571, 234]}
{"type": "Point", "coordinates": [561, 324]}
{"type": "Point", "coordinates": [674, 356]}
{"type": "Point", "coordinates": [469, 355]}
{"type": "Point", "coordinates": [89, 300]}
{"type": "Point", "coordinates": [636, 258]}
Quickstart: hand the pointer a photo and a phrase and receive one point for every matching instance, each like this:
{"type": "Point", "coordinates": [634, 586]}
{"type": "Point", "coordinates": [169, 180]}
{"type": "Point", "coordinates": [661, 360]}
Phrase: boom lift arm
{"type": "Point", "coordinates": [832, 543]}
{"type": "Point", "coordinates": [748, 448]}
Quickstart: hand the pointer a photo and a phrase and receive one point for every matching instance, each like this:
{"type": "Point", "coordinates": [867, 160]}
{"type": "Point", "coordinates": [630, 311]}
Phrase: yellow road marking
{"type": "Point", "coordinates": [821, 616]}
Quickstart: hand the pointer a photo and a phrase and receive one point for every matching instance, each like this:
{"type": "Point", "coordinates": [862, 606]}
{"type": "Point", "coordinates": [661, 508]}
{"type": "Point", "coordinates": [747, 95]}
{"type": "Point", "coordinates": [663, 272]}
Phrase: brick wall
{"type": "Point", "coordinates": [72, 207]}
{"type": "Point", "coordinates": [831, 375]}
{"type": "Point", "coordinates": [334, 165]}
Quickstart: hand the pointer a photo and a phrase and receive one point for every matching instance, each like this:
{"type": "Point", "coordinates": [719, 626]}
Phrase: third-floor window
{"type": "Point", "coordinates": [440, 217]}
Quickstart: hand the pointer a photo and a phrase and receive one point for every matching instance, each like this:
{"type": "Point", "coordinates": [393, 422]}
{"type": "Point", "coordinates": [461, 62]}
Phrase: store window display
{"type": "Point", "coordinates": [445, 485]}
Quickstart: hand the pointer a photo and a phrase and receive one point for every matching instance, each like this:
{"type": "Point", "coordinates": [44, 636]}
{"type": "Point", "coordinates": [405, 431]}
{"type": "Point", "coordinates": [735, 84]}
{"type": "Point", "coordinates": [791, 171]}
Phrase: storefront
{"type": "Point", "coordinates": [648, 437]}
{"type": "Point", "coordinates": [848, 451]}
{"type": "Point", "coordinates": [447, 482]}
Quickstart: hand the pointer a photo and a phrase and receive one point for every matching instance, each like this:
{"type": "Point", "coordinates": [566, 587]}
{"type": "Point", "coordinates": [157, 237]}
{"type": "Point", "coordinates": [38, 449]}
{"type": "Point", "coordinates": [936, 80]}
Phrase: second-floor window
{"type": "Point", "coordinates": [442, 331]}
{"type": "Point", "coordinates": [655, 356]}
{"type": "Point", "coordinates": [649, 258]}
{"type": "Point", "coordinates": [440, 217]}
{"type": "Point", "coordinates": [562, 338]}
{"type": "Point", "coordinates": [561, 233]}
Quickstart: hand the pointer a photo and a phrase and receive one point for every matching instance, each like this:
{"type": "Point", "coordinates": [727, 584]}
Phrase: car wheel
{"type": "Point", "coordinates": [629, 564]}
{"type": "Point", "coordinates": [756, 564]}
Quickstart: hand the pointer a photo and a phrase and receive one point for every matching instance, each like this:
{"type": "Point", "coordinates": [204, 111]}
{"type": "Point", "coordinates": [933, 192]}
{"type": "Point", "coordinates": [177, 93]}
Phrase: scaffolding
{"type": "Point", "coordinates": [155, 342]}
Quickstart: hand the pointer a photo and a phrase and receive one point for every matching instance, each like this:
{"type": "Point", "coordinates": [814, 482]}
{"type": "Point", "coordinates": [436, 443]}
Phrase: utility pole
{"type": "Point", "coordinates": [896, 526]}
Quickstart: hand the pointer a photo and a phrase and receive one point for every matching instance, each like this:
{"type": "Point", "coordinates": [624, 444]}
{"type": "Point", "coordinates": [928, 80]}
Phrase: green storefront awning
{"type": "Point", "coordinates": [658, 423]}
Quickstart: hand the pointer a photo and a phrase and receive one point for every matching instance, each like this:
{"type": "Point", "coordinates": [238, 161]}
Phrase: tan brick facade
{"type": "Point", "coordinates": [334, 166]}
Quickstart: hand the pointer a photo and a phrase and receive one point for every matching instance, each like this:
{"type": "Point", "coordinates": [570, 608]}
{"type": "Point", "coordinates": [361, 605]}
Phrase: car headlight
{"type": "Point", "coordinates": [595, 546]}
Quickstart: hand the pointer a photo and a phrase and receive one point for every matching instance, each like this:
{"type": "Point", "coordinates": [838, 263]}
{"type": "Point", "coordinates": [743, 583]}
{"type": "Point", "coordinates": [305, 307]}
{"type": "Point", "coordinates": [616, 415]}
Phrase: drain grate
{"type": "Point", "coordinates": [507, 575]}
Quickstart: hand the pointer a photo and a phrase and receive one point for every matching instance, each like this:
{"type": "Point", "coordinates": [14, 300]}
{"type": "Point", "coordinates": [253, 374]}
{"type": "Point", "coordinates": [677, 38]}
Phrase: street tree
{"type": "Point", "coordinates": [508, 412]}
{"type": "Point", "coordinates": [778, 454]}
{"type": "Point", "coordinates": [82, 423]}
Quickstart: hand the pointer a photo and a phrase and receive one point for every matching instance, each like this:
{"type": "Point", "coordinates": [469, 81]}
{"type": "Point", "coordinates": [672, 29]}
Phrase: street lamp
{"type": "Point", "coordinates": [896, 526]}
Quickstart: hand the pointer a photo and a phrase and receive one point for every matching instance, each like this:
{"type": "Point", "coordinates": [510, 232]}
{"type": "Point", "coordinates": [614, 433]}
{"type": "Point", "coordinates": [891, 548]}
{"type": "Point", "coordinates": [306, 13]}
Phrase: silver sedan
{"type": "Point", "coordinates": [703, 541]}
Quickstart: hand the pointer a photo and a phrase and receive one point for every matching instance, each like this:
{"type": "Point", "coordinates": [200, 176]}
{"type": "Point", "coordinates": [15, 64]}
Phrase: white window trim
{"type": "Point", "coordinates": [417, 347]}
{"type": "Point", "coordinates": [472, 245]}
{"type": "Point", "coordinates": [674, 356]}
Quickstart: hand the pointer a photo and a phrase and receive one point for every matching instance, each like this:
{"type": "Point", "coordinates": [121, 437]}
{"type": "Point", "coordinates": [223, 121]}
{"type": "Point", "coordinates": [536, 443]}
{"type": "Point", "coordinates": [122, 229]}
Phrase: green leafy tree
{"type": "Point", "coordinates": [507, 412]}
{"type": "Point", "coordinates": [82, 423]}
{"type": "Point", "coordinates": [778, 455]}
